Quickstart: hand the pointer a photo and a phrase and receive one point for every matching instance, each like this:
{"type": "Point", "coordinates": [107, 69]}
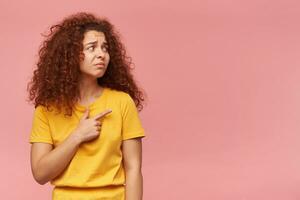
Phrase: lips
{"type": "Point", "coordinates": [100, 64]}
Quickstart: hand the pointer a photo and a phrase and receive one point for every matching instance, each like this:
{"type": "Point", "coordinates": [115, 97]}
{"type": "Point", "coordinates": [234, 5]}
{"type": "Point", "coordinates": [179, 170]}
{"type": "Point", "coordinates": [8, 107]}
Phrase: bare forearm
{"type": "Point", "coordinates": [134, 185]}
{"type": "Point", "coordinates": [53, 163]}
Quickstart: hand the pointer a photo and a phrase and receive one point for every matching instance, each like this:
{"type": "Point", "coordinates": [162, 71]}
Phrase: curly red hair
{"type": "Point", "coordinates": [55, 82]}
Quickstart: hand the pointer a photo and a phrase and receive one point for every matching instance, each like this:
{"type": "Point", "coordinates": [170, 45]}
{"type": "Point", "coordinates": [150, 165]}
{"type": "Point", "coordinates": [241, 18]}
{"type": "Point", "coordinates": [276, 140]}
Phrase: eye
{"type": "Point", "coordinates": [91, 48]}
{"type": "Point", "coordinates": [105, 48]}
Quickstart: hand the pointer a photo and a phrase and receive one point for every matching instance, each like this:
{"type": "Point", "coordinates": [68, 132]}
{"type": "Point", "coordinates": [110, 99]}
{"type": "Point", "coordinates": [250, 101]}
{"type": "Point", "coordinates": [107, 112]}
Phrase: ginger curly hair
{"type": "Point", "coordinates": [55, 81]}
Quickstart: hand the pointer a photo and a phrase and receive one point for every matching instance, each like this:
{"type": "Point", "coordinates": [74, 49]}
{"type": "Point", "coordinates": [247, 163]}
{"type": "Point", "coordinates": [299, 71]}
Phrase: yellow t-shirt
{"type": "Point", "coordinates": [96, 170]}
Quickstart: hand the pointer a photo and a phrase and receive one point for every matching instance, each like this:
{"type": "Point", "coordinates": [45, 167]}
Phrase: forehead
{"type": "Point", "coordinates": [91, 36]}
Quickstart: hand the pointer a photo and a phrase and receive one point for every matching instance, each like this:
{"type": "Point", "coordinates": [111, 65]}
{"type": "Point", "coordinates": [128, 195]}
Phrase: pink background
{"type": "Point", "coordinates": [222, 79]}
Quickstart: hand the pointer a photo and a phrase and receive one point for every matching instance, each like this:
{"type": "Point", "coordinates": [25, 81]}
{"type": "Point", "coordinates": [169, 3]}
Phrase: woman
{"type": "Point", "coordinates": [86, 132]}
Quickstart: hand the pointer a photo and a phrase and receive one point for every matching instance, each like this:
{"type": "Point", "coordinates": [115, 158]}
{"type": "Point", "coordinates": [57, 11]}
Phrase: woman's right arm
{"type": "Point", "coordinates": [47, 163]}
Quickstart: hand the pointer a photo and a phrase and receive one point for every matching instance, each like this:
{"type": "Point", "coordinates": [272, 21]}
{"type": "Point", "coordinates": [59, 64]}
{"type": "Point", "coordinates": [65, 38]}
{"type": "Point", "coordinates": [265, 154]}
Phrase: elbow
{"type": "Point", "coordinates": [133, 167]}
{"type": "Point", "coordinates": [39, 179]}
{"type": "Point", "coordinates": [41, 182]}
{"type": "Point", "coordinates": [39, 174]}
{"type": "Point", "coordinates": [133, 174]}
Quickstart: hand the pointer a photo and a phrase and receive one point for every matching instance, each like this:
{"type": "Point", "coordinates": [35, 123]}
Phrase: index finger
{"type": "Point", "coordinates": [102, 114]}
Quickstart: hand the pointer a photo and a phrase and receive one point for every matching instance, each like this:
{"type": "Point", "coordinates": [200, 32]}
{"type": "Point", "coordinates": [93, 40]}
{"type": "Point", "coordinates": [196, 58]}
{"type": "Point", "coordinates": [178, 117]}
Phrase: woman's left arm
{"type": "Point", "coordinates": [132, 160]}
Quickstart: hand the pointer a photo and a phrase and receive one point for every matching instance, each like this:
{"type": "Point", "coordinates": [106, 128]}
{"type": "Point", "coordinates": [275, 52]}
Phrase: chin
{"type": "Point", "coordinates": [99, 75]}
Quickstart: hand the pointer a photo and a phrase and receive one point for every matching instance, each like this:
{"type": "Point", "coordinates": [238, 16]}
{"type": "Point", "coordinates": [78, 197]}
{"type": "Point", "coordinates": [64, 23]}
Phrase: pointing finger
{"type": "Point", "coordinates": [102, 114]}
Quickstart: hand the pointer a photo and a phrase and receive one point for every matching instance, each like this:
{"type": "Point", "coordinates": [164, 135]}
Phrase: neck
{"type": "Point", "coordinates": [89, 88]}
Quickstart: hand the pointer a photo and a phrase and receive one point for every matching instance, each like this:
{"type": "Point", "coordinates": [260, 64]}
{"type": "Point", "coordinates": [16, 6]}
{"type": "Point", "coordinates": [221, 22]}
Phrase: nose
{"type": "Point", "coordinates": [99, 53]}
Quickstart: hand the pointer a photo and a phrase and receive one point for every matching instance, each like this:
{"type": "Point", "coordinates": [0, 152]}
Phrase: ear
{"type": "Point", "coordinates": [81, 56]}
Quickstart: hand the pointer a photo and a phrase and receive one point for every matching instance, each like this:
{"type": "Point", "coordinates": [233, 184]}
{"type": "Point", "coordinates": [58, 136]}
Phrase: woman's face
{"type": "Point", "coordinates": [96, 57]}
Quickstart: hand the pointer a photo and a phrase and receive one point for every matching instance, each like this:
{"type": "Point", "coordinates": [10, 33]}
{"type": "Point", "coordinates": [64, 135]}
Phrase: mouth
{"type": "Point", "coordinates": [100, 64]}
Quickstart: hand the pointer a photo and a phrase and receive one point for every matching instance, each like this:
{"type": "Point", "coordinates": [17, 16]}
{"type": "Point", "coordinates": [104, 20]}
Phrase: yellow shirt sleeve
{"type": "Point", "coordinates": [131, 123]}
{"type": "Point", "coordinates": [40, 131]}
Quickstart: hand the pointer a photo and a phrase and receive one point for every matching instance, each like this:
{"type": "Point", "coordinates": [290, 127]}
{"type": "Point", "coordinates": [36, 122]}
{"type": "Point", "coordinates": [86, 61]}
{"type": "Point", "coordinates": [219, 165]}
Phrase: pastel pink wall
{"type": "Point", "coordinates": [222, 78]}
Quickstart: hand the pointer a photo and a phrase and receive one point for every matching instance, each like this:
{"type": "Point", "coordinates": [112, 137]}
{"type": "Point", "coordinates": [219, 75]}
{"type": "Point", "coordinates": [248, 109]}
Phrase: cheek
{"type": "Point", "coordinates": [87, 59]}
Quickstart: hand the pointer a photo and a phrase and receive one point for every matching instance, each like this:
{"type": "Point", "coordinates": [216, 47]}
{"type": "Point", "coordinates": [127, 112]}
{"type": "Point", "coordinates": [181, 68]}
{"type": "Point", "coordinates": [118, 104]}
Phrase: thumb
{"type": "Point", "coordinates": [85, 114]}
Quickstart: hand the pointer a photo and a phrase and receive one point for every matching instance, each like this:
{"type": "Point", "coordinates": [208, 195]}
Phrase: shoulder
{"type": "Point", "coordinates": [123, 99]}
{"type": "Point", "coordinates": [118, 95]}
{"type": "Point", "coordinates": [43, 111]}
{"type": "Point", "coordinates": [40, 110]}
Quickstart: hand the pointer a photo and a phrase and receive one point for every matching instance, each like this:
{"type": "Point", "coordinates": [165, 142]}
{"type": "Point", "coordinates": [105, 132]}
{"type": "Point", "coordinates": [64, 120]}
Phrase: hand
{"type": "Point", "coordinates": [89, 128]}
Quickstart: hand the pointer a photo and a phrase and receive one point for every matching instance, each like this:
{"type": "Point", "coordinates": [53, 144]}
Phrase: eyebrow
{"type": "Point", "coordinates": [94, 42]}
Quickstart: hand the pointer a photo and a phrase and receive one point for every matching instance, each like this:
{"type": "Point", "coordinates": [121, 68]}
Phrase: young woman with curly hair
{"type": "Point", "coordinates": [86, 131]}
